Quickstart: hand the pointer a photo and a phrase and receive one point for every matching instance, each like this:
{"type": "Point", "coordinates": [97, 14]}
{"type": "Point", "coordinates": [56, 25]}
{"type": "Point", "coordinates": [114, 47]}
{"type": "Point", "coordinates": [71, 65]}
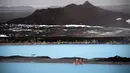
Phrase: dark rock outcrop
{"type": "Point", "coordinates": [113, 59]}
{"type": "Point", "coordinates": [72, 58]}
{"type": "Point", "coordinates": [44, 57]}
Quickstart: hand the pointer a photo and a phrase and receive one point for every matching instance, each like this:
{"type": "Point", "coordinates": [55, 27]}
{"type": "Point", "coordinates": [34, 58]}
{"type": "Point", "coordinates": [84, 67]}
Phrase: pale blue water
{"type": "Point", "coordinates": [61, 68]}
{"type": "Point", "coordinates": [56, 51]}
{"type": "Point", "coordinates": [68, 50]}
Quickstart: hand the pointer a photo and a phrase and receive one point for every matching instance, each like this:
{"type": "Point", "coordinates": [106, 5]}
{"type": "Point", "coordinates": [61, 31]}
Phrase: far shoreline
{"type": "Point", "coordinates": [116, 60]}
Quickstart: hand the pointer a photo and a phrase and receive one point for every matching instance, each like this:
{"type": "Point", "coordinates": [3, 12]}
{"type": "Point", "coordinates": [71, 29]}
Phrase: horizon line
{"type": "Point", "coordinates": [63, 57]}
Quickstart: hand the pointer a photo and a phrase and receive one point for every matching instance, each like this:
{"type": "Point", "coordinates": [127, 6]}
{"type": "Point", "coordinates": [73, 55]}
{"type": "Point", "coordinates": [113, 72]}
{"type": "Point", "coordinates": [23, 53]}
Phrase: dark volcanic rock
{"type": "Point", "coordinates": [75, 14]}
{"type": "Point", "coordinates": [72, 58]}
{"type": "Point", "coordinates": [113, 59]}
{"type": "Point", "coordinates": [44, 57]}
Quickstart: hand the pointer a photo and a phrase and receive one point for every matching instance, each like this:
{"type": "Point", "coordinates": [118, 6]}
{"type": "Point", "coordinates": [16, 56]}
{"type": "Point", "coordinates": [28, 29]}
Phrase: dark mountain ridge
{"type": "Point", "coordinates": [75, 14]}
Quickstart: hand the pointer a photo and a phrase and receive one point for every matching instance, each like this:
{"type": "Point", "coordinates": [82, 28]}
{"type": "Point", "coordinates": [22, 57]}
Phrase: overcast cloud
{"type": "Point", "coordinates": [58, 2]}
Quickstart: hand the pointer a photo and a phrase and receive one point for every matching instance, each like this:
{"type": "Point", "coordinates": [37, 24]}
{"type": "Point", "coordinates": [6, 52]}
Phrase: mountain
{"type": "Point", "coordinates": [9, 13]}
{"type": "Point", "coordinates": [75, 14]}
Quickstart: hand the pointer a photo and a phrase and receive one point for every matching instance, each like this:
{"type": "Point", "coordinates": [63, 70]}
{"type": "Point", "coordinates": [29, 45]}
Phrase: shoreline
{"type": "Point", "coordinates": [57, 43]}
{"type": "Point", "coordinates": [64, 61]}
{"type": "Point", "coordinates": [103, 63]}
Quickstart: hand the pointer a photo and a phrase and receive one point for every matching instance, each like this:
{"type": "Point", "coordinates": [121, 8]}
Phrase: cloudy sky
{"type": "Point", "coordinates": [58, 2]}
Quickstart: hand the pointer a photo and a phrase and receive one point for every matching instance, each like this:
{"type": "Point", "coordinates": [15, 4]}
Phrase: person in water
{"type": "Point", "coordinates": [78, 61]}
{"type": "Point", "coordinates": [81, 61]}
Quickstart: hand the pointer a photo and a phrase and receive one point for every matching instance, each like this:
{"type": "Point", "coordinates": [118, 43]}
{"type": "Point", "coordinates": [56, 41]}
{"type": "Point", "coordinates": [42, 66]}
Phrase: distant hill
{"type": "Point", "coordinates": [75, 14]}
{"type": "Point", "coordinates": [9, 13]}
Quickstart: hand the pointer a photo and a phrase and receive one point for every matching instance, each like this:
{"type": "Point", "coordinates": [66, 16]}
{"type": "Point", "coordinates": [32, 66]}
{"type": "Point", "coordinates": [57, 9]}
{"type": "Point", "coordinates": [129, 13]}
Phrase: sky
{"type": "Point", "coordinates": [36, 3]}
{"type": "Point", "coordinates": [58, 51]}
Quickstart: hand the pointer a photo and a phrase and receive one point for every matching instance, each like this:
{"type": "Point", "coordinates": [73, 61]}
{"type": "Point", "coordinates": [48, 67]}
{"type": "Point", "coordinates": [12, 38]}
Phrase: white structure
{"type": "Point", "coordinates": [118, 19]}
{"type": "Point", "coordinates": [1, 35]}
{"type": "Point", "coordinates": [128, 21]}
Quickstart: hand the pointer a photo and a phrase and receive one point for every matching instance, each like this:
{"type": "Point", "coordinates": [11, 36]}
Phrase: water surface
{"type": "Point", "coordinates": [61, 68]}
